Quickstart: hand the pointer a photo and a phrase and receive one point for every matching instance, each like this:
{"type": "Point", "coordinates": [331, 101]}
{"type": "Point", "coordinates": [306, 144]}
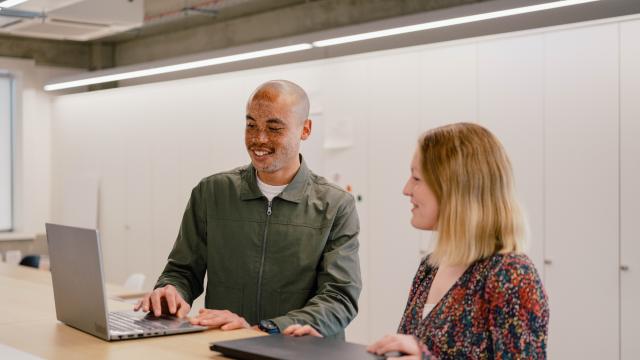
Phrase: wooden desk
{"type": "Point", "coordinates": [28, 323]}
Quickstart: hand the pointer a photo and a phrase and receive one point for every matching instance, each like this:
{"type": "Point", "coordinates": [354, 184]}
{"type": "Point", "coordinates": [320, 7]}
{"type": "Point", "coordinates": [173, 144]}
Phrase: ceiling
{"type": "Point", "coordinates": [171, 15]}
{"type": "Point", "coordinates": [171, 28]}
{"type": "Point", "coordinates": [136, 33]}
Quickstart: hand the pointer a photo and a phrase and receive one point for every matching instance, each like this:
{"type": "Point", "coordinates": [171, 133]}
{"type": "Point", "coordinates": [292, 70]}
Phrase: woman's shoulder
{"type": "Point", "coordinates": [512, 260]}
{"type": "Point", "coordinates": [512, 268]}
{"type": "Point", "coordinates": [515, 290]}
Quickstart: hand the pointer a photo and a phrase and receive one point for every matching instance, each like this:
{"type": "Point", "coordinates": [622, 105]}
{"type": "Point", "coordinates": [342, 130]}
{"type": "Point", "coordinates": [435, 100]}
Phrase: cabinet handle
{"type": "Point", "coordinates": [547, 262]}
{"type": "Point", "coordinates": [624, 267]}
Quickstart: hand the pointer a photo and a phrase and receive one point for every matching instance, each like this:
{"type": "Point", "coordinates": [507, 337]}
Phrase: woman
{"type": "Point", "coordinates": [476, 296]}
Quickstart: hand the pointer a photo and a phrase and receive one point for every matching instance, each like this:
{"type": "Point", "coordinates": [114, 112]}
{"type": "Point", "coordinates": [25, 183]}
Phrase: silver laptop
{"type": "Point", "coordinates": [78, 290]}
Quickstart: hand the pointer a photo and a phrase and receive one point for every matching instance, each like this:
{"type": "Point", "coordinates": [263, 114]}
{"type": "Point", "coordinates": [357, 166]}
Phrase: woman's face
{"type": "Point", "coordinates": [425, 205]}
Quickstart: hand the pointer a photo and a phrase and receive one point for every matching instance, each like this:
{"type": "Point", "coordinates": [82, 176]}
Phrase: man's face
{"type": "Point", "coordinates": [272, 134]}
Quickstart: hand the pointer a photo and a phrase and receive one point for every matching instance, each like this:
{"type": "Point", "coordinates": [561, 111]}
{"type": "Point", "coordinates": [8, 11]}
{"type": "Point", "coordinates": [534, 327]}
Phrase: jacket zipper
{"type": "Point", "coordinates": [264, 250]}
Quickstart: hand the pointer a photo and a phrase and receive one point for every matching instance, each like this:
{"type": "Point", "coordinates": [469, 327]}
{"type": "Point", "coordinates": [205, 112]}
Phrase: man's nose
{"type": "Point", "coordinates": [262, 136]}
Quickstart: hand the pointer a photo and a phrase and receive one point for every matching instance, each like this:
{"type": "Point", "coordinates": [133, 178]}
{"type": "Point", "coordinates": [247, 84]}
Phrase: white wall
{"type": "Point", "coordinates": [552, 97]}
{"type": "Point", "coordinates": [32, 173]}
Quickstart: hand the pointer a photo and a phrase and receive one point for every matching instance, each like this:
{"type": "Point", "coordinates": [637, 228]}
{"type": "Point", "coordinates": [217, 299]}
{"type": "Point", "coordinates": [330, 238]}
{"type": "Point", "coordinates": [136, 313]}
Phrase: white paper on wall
{"type": "Point", "coordinates": [338, 133]}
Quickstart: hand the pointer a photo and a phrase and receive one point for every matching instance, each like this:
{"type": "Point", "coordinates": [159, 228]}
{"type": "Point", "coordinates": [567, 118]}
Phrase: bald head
{"type": "Point", "coordinates": [284, 92]}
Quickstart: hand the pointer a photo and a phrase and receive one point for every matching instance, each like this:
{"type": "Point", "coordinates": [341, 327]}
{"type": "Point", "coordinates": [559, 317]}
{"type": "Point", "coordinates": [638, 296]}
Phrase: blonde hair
{"type": "Point", "coordinates": [470, 174]}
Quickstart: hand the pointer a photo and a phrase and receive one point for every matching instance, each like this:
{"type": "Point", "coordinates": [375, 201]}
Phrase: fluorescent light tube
{"type": "Point", "coordinates": [447, 22]}
{"type": "Point", "coordinates": [177, 67]}
{"type": "Point", "coordinates": [10, 3]}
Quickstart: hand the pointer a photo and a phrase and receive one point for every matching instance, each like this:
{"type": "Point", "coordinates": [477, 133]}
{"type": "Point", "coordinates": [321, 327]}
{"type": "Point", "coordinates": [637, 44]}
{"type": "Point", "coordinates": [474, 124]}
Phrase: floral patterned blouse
{"type": "Point", "coordinates": [497, 309]}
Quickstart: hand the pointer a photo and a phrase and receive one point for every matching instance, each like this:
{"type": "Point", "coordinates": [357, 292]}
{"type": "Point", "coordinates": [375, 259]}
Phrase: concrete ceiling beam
{"type": "Point", "coordinates": [47, 52]}
{"type": "Point", "coordinates": [281, 22]}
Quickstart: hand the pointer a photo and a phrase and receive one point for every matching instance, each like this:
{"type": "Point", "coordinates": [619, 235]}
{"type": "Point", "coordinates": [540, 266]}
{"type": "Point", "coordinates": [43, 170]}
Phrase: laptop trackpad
{"type": "Point", "coordinates": [167, 321]}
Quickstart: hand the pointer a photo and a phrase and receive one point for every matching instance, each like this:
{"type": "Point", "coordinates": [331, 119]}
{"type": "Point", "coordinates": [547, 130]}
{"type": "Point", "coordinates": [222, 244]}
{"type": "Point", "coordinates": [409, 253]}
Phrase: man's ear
{"type": "Point", "coordinates": [306, 129]}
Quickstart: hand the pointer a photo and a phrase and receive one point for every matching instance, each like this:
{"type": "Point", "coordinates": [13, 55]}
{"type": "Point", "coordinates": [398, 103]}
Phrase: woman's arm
{"type": "Point", "coordinates": [519, 312]}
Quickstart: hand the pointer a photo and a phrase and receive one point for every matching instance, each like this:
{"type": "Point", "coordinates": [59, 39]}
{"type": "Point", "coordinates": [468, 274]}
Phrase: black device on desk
{"type": "Point", "coordinates": [280, 347]}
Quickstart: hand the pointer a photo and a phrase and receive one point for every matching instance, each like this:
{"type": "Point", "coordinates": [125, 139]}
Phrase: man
{"type": "Point", "coordinates": [278, 243]}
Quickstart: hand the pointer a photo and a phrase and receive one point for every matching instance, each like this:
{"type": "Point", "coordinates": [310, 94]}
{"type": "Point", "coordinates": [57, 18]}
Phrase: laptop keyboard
{"type": "Point", "coordinates": [128, 322]}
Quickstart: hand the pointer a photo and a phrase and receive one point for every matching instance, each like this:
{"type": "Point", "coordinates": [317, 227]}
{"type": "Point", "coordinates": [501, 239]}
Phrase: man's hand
{"type": "Point", "coordinates": [222, 319]}
{"type": "Point", "coordinates": [406, 345]}
{"type": "Point", "coordinates": [164, 300]}
{"type": "Point", "coordinates": [299, 330]}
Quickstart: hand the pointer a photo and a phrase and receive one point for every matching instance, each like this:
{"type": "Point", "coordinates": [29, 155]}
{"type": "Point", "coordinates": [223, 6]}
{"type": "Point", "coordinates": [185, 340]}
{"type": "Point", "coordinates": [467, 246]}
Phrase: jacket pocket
{"type": "Point", "coordinates": [224, 297]}
{"type": "Point", "coordinates": [293, 300]}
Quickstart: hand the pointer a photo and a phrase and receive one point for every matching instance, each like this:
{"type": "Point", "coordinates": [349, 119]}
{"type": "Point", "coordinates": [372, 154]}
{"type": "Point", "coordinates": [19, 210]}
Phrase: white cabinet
{"type": "Point", "coordinates": [630, 190]}
{"type": "Point", "coordinates": [510, 104]}
{"type": "Point", "coordinates": [393, 128]}
{"type": "Point", "coordinates": [340, 123]}
{"type": "Point", "coordinates": [448, 94]}
{"type": "Point", "coordinates": [581, 191]}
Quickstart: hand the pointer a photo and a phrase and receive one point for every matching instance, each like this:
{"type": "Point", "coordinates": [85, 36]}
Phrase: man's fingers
{"type": "Point", "coordinates": [212, 322]}
{"type": "Point", "coordinates": [138, 305]}
{"type": "Point", "coordinates": [291, 329]}
{"type": "Point", "coordinates": [170, 296]}
{"type": "Point", "coordinates": [216, 322]}
{"type": "Point", "coordinates": [239, 323]}
{"type": "Point", "coordinates": [145, 303]}
{"type": "Point", "coordinates": [300, 330]}
{"type": "Point", "coordinates": [155, 299]}
{"type": "Point", "coordinates": [224, 319]}
{"type": "Point", "coordinates": [214, 318]}
{"type": "Point", "coordinates": [183, 309]}
{"type": "Point", "coordinates": [306, 330]}
{"type": "Point", "coordinates": [209, 314]}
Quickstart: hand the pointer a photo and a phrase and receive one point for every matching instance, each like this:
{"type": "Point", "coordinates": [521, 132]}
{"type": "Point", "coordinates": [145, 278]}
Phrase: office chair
{"type": "Point", "coordinates": [31, 261]}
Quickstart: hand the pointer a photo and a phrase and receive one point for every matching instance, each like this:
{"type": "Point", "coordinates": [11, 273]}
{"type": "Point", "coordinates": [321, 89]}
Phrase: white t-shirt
{"type": "Point", "coordinates": [270, 191]}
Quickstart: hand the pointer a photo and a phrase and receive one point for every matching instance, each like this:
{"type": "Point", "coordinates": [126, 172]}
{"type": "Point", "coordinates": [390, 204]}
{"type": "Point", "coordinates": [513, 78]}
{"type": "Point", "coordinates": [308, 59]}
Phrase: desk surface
{"type": "Point", "coordinates": [28, 323]}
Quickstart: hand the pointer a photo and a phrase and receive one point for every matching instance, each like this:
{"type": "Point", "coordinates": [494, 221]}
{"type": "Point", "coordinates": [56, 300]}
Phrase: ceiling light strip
{"type": "Point", "coordinates": [177, 67]}
{"type": "Point", "coordinates": [448, 22]}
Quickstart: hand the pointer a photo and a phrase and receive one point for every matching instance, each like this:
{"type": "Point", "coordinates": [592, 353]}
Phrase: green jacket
{"type": "Point", "coordinates": [294, 260]}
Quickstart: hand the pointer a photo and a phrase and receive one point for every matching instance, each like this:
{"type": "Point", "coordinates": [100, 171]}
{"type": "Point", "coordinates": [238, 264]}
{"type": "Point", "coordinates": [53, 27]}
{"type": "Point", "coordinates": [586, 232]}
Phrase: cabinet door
{"type": "Point", "coordinates": [510, 104]}
{"type": "Point", "coordinates": [448, 91]}
{"type": "Point", "coordinates": [393, 133]}
{"type": "Point", "coordinates": [340, 120]}
{"type": "Point", "coordinates": [581, 195]}
{"type": "Point", "coordinates": [629, 189]}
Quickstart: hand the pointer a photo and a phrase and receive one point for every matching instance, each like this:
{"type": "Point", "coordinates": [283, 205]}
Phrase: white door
{"type": "Point", "coordinates": [340, 123]}
{"type": "Point", "coordinates": [510, 104]}
{"type": "Point", "coordinates": [630, 190]}
{"type": "Point", "coordinates": [393, 114]}
{"type": "Point", "coordinates": [581, 195]}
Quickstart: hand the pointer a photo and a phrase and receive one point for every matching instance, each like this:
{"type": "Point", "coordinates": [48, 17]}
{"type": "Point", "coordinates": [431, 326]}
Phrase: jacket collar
{"type": "Point", "coordinates": [293, 192]}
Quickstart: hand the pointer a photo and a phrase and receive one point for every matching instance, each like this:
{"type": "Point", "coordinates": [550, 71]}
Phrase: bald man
{"type": "Point", "coordinates": [278, 243]}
